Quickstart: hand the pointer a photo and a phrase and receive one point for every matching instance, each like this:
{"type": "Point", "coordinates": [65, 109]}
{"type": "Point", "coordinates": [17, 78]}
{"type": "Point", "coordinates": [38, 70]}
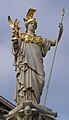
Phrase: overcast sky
{"type": "Point", "coordinates": [48, 16]}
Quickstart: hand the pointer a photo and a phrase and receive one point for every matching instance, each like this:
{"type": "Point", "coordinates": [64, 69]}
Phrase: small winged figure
{"type": "Point", "coordinates": [14, 26]}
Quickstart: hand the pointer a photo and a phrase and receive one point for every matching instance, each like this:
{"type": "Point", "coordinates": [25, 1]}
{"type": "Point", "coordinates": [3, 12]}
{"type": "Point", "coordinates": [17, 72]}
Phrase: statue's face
{"type": "Point", "coordinates": [32, 25]}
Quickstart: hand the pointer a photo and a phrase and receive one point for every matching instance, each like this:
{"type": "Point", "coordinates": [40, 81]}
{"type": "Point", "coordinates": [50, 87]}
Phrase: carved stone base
{"type": "Point", "coordinates": [29, 110]}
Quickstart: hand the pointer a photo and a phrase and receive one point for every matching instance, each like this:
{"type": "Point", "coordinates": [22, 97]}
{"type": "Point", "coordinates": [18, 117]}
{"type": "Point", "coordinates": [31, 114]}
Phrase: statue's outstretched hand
{"type": "Point", "coordinates": [15, 30]}
{"type": "Point", "coordinates": [14, 26]}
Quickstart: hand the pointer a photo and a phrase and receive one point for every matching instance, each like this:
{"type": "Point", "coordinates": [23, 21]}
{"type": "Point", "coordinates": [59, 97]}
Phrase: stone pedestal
{"type": "Point", "coordinates": [29, 110]}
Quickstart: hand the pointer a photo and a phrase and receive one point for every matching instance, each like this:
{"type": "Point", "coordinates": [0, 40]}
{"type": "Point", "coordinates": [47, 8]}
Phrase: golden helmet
{"type": "Point", "coordinates": [29, 16]}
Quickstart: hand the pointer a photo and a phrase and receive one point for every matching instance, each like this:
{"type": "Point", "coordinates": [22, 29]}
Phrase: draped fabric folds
{"type": "Point", "coordinates": [29, 67]}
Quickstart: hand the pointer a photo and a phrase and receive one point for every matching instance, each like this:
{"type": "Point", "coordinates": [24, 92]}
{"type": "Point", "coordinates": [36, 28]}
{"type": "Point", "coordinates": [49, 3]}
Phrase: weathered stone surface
{"type": "Point", "coordinates": [31, 111]}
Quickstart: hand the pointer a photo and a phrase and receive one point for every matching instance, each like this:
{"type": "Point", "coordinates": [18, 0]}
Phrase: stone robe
{"type": "Point", "coordinates": [28, 62]}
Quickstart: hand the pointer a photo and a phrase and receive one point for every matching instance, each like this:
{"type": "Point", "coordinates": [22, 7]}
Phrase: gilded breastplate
{"type": "Point", "coordinates": [30, 38]}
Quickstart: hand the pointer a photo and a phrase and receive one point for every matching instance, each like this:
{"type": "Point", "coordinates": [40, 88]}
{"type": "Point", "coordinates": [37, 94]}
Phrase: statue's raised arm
{"type": "Point", "coordinates": [15, 27]}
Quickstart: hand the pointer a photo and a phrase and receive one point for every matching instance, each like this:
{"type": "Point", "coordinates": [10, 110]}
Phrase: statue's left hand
{"type": "Point", "coordinates": [61, 27]}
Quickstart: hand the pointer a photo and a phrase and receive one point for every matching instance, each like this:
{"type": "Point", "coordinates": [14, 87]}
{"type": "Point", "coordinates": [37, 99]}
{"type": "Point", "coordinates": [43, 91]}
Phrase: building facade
{"type": "Point", "coordinates": [5, 107]}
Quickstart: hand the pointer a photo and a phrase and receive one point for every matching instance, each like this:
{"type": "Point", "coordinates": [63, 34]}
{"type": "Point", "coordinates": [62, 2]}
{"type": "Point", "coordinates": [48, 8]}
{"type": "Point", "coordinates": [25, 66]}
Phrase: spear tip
{"type": "Point", "coordinates": [63, 11]}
